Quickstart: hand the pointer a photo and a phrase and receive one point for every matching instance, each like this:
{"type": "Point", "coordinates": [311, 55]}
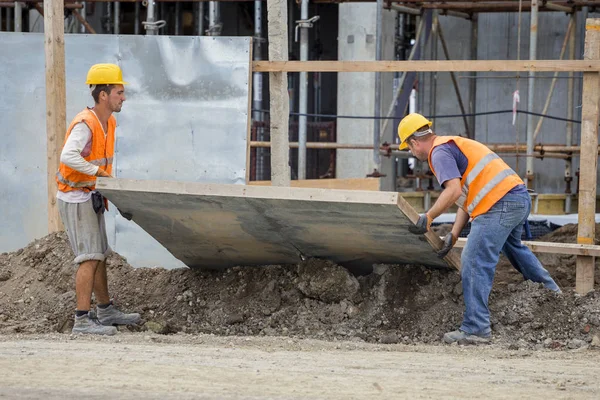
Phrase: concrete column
{"type": "Point", "coordinates": [356, 91]}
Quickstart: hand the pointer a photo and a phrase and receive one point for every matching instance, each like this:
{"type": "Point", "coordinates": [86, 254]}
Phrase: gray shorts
{"type": "Point", "coordinates": [86, 231]}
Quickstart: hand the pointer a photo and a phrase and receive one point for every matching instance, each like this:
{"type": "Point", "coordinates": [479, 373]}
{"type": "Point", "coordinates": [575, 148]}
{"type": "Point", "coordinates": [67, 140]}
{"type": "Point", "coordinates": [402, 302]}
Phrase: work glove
{"type": "Point", "coordinates": [422, 225]}
{"type": "Point", "coordinates": [449, 242]}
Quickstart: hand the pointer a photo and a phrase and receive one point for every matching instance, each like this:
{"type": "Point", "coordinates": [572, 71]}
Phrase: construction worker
{"type": "Point", "coordinates": [489, 192]}
{"type": "Point", "coordinates": [88, 153]}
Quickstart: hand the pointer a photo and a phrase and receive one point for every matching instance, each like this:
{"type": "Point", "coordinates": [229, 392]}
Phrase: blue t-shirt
{"type": "Point", "coordinates": [450, 163]}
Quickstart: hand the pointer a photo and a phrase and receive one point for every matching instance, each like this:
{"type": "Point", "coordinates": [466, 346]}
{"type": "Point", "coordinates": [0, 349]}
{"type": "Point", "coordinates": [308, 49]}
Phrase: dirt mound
{"type": "Point", "coordinates": [395, 303]}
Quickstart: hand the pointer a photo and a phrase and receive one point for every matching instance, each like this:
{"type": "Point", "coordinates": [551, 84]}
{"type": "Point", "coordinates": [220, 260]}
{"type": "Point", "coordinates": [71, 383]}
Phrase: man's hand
{"type": "Point", "coordinates": [103, 173]}
{"type": "Point", "coordinates": [422, 225]}
{"type": "Point", "coordinates": [449, 242]}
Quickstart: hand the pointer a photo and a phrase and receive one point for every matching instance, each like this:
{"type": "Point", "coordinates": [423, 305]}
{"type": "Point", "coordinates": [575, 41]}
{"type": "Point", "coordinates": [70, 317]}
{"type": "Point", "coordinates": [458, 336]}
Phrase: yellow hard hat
{"type": "Point", "coordinates": [409, 125]}
{"type": "Point", "coordinates": [105, 74]}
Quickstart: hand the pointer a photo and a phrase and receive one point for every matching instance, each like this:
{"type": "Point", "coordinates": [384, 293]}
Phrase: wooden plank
{"type": "Point", "coordinates": [452, 259]}
{"type": "Point", "coordinates": [56, 105]}
{"type": "Point", "coordinates": [552, 248]}
{"type": "Point", "coordinates": [590, 113]}
{"type": "Point", "coordinates": [428, 66]}
{"type": "Point", "coordinates": [278, 92]}
{"type": "Point", "coordinates": [219, 226]}
{"type": "Point", "coordinates": [371, 184]}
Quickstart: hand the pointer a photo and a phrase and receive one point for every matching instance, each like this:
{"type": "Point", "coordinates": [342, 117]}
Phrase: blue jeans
{"type": "Point", "coordinates": [497, 230]}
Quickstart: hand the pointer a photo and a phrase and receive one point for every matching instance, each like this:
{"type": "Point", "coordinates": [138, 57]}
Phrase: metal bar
{"type": "Point", "coordinates": [542, 150]}
{"type": "Point", "coordinates": [136, 19]}
{"type": "Point", "coordinates": [200, 19]}
{"type": "Point", "coordinates": [453, 76]}
{"type": "Point", "coordinates": [117, 16]}
{"type": "Point", "coordinates": [377, 105]}
{"type": "Point", "coordinates": [83, 22]}
{"type": "Point", "coordinates": [150, 26]}
{"type": "Point", "coordinates": [303, 93]}
{"type": "Point", "coordinates": [178, 18]}
{"type": "Point", "coordinates": [213, 19]}
{"type": "Point", "coordinates": [553, 83]}
{"type": "Point", "coordinates": [529, 176]}
{"type": "Point", "coordinates": [82, 27]}
{"type": "Point", "coordinates": [257, 91]}
{"type": "Point", "coordinates": [6, 4]}
{"type": "Point", "coordinates": [18, 17]}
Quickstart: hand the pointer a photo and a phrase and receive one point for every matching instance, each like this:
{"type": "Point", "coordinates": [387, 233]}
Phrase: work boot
{"type": "Point", "coordinates": [111, 315]}
{"type": "Point", "coordinates": [88, 325]}
{"type": "Point", "coordinates": [462, 337]}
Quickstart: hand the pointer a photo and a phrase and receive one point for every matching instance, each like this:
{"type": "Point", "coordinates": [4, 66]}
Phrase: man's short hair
{"type": "Point", "coordinates": [97, 89]}
{"type": "Point", "coordinates": [422, 133]}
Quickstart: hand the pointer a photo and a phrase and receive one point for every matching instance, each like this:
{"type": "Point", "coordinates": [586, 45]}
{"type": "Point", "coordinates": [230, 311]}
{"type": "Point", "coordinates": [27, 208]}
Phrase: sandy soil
{"type": "Point", "coordinates": [181, 366]}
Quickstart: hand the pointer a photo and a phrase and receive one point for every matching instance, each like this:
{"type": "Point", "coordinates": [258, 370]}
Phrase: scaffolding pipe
{"type": "Point", "coordinates": [1, 19]}
{"type": "Point", "coordinates": [303, 92]}
{"type": "Point", "coordinates": [214, 28]}
{"type": "Point", "coordinates": [199, 19]}
{"type": "Point", "coordinates": [18, 16]}
{"type": "Point", "coordinates": [257, 93]}
{"type": "Point", "coordinates": [378, 57]}
{"type": "Point", "coordinates": [8, 19]}
{"type": "Point", "coordinates": [82, 28]}
{"type": "Point", "coordinates": [533, 27]}
{"type": "Point", "coordinates": [136, 17]}
{"type": "Point", "coordinates": [150, 24]}
{"type": "Point", "coordinates": [117, 16]}
{"type": "Point", "coordinates": [178, 18]}
{"type": "Point", "coordinates": [570, 101]}
{"type": "Point", "coordinates": [543, 150]}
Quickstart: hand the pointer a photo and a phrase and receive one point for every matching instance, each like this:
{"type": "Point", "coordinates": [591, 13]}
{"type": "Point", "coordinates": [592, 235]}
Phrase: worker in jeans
{"type": "Point", "coordinates": [489, 192]}
{"type": "Point", "coordinates": [88, 153]}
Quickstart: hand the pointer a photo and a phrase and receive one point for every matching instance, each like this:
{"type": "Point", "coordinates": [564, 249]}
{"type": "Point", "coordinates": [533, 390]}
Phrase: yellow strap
{"type": "Point", "coordinates": [584, 240]}
{"type": "Point", "coordinates": [592, 27]}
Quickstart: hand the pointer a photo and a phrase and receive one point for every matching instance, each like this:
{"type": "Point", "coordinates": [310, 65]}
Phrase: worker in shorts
{"type": "Point", "coordinates": [88, 153]}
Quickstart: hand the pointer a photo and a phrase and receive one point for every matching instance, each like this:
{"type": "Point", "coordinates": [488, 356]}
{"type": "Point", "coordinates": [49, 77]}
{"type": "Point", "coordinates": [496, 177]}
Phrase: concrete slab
{"type": "Point", "coordinates": [220, 226]}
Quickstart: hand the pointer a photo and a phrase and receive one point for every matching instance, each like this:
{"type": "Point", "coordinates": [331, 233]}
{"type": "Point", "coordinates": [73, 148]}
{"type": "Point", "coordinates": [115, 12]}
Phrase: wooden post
{"type": "Point", "coordinates": [279, 101]}
{"type": "Point", "coordinates": [54, 28]}
{"type": "Point", "coordinates": [586, 231]}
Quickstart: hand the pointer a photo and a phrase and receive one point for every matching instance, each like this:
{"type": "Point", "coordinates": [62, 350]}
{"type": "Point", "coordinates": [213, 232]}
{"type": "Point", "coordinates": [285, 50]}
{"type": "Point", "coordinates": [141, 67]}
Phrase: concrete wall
{"type": "Point", "coordinates": [356, 91]}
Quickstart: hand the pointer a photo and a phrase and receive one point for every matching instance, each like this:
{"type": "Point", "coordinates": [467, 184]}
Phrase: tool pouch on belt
{"type": "Point", "coordinates": [98, 202]}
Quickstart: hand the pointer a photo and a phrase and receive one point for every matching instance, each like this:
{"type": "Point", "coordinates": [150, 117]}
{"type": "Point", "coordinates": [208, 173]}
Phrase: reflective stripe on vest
{"type": "Point", "coordinates": [74, 184]}
{"type": "Point", "coordinates": [102, 161]}
{"type": "Point", "coordinates": [489, 186]}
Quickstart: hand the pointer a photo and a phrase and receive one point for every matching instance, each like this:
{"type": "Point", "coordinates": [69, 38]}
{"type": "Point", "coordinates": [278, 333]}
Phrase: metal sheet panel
{"type": "Point", "coordinates": [220, 226]}
{"type": "Point", "coordinates": [185, 118]}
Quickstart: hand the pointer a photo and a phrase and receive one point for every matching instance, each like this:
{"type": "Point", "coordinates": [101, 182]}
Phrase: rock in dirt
{"type": "Point", "coordinates": [326, 281]}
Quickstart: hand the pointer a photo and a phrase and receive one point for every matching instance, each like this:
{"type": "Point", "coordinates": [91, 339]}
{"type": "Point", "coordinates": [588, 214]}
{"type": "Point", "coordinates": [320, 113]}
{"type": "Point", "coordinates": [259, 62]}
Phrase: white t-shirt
{"type": "Point", "coordinates": [79, 141]}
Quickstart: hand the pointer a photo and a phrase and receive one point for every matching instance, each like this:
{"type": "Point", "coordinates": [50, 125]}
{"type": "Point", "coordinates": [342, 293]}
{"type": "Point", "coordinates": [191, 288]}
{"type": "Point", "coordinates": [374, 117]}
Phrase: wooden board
{"type": "Point", "coordinates": [590, 116]}
{"type": "Point", "coordinates": [428, 66]}
{"type": "Point", "coordinates": [552, 248]}
{"type": "Point", "coordinates": [371, 184]}
{"type": "Point", "coordinates": [56, 103]}
{"type": "Point", "coordinates": [220, 226]}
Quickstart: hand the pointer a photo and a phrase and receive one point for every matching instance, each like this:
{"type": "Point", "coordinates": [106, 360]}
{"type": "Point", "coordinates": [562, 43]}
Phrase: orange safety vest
{"type": "Point", "coordinates": [100, 153]}
{"type": "Point", "coordinates": [487, 177]}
